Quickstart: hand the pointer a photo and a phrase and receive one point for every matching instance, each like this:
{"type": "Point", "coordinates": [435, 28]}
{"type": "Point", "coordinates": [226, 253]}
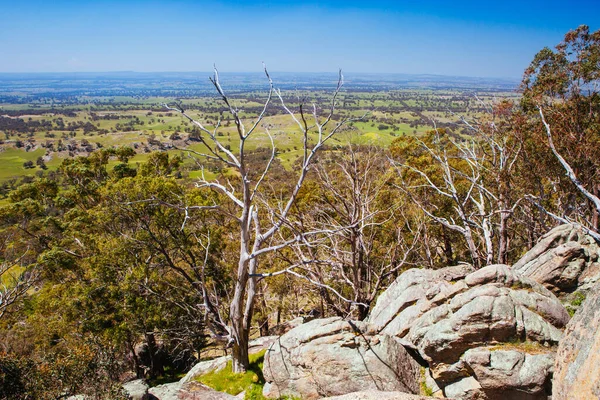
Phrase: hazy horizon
{"type": "Point", "coordinates": [259, 72]}
{"type": "Point", "coordinates": [467, 38]}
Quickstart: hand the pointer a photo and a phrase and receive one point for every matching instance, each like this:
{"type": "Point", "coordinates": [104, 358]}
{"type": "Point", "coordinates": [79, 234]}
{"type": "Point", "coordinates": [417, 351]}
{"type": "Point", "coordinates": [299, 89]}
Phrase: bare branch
{"type": "Point", "coordinates": [570, 173]}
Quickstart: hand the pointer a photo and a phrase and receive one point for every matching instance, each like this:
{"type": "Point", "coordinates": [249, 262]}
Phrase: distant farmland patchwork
{"type": "Point", "coordinates": [45, 118]}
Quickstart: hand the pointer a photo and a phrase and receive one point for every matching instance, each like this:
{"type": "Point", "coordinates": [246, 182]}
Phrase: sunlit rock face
{"type": "Point", "coordinates": [577, 365]}
{"type": "Point", "coordinates": [329, 357]}
{"type": "Point", "coordinates": [484, 334]}
{"type": "Point", "coordinates": [564, 260]}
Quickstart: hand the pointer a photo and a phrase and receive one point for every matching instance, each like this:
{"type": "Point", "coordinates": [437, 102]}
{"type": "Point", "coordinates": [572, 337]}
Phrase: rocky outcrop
{"type": "Point", "coordinates": [564, 260]}
{"type": "Point", "coordinates": [504, 373]}
{"type": "Point", "coordinates": [577, 365]}
{"type": "Point", "coordinates": [378, 395]}
{"type": "Point", "coordinates": [329, 357]}
{"type": "Point", "coordinates": [187, 391]}
{"type": "Point", "coordinates": [394, 311]}
{"type": "Point", "coordinates": [261, 343]}
{"type": "Point", "coordinates": [484, 334]}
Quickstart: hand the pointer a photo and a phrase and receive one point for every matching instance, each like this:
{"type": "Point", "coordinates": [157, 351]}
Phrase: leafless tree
{"type": "Point", "coordinates": [472, 175]}
{"type": "Point", "coordinates": [260, 223]}
{"type": "Point", "coordinates": [495, 153]}
{"type": "Point", "coordinates": [367, 236]}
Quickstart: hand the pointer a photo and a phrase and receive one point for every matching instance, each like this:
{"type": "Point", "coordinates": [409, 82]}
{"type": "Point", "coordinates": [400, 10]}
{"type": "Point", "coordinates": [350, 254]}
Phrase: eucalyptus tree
{"type": "Point", "coordinates": [561, 90]}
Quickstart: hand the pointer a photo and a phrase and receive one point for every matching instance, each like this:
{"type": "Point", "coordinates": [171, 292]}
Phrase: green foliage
{"type": "Point", "coordinates": [562, 83]}
{"type": "Point", "coordinates": [566, 71]}
{"type": "Point", "coordinates": [578, 299]}
{"type": "Point", "coordinates": [575, 301]}
{"type": "Point", "coordinates": [80, 370]}
{"type": "Point", "coordinates": [160, 164]}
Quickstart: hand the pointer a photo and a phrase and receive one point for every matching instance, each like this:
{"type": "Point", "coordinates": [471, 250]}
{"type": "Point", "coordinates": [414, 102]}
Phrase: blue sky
{"type": "Point", "coordinates": [467, 38]}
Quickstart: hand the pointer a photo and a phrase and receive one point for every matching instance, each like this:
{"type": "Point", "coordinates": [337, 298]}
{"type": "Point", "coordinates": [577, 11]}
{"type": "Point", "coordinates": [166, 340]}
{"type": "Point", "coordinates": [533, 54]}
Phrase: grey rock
{"type": "Point", "coordinates": [432, 385]}
{"type": "Point", "coordinates": [577, 364]}
{"type": "Point", "coordinates": [167, 391]}
{"type": "Point", "coordinates": [564, 260]}
{"type": "Point", "coordinates": [329, 357]}
{"type": "Point", "coordinates": [204, 367]}
{"type": "Point", "coordinates": [136, 390]}
{"type": "Point", "coordinates": [378, 395]}
{"type": "Point", "coordinates": [261, 343]}
{"type": "Point", "coordinates": [413, 285]}
{"type": "Point", "coordinates": [500, 370]}
{"type": "Point", "coordinates": [187, 391]}
{"type": "Point", "coordinates": [477, 333]}
{"type": "Point", "coordinates": [465, 388]}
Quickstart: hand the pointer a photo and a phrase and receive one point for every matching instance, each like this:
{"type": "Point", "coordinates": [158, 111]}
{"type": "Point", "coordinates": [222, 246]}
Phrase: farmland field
{"type": "Point", "coordinates": [45, 118]}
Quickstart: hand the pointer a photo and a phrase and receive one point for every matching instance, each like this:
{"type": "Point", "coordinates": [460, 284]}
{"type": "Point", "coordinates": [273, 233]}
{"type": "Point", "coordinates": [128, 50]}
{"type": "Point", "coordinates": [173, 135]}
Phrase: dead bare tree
{"type": "Point", "coordinates": [367, 236]}
{"type": "Point", "coordinates": [471, 175]}
{"type": "Point", "coordinates": [260, 224]}
{"type": "Point", "coordinates": [496, 153]}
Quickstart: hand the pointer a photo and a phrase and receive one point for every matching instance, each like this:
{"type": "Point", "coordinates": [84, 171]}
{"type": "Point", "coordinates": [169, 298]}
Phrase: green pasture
{"type": "Point", "coordinates": [386, 115]}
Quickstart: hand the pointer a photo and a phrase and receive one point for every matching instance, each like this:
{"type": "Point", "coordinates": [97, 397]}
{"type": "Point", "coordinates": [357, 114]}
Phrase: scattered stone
{"type": "Point", "coordinates": [577, 364]}
{"type": "Point", "coordinates": [329, 357]}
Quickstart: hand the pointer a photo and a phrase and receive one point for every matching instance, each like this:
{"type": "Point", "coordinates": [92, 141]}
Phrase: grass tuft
{"type": "Point", "coordinates": [425, 390]}
{"type": "Point", "coordinates": [226, 381]}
